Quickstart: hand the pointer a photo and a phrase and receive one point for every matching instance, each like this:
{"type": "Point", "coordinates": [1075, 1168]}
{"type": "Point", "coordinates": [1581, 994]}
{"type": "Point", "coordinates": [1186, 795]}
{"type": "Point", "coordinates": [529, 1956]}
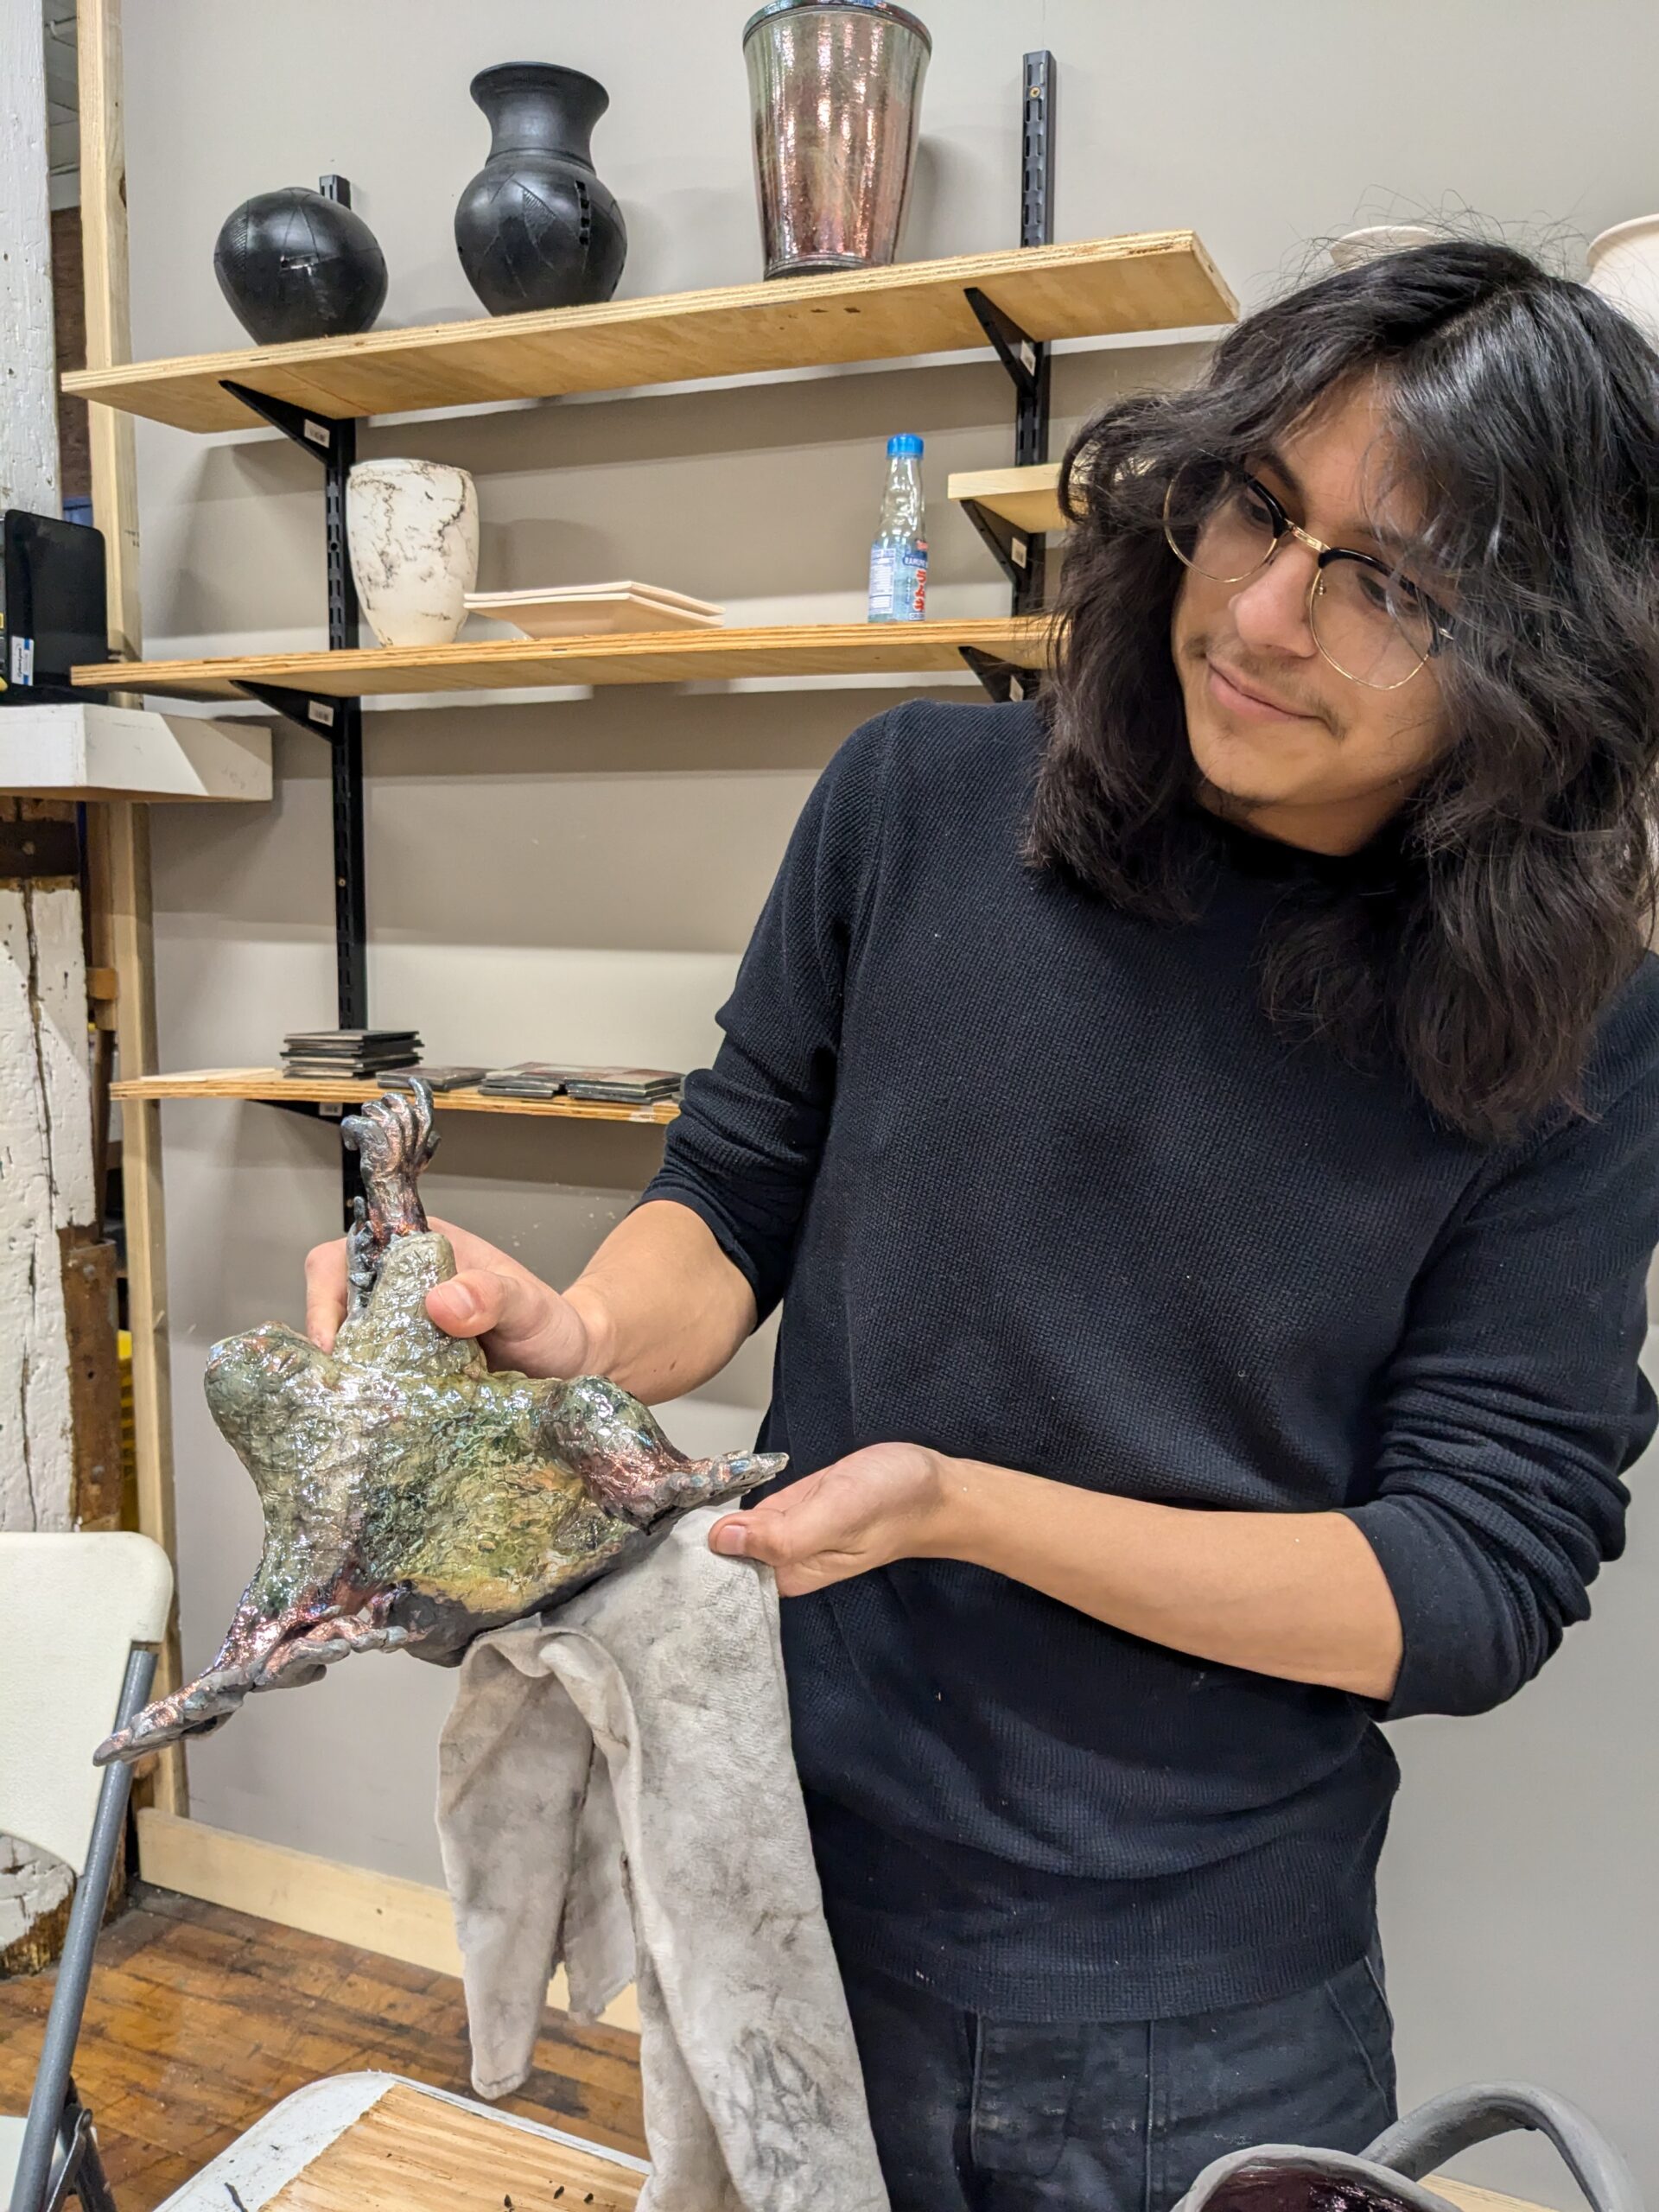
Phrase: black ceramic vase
{"type": "Point", "coordinates": [536, 228]}
{"type": "Point", "coordinates": [295, 265]}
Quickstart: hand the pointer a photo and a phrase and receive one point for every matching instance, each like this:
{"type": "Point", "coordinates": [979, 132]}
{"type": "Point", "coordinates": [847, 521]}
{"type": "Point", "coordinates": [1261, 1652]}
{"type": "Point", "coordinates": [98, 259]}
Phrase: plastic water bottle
{"type": "Point", "coordinates": [898, 556]}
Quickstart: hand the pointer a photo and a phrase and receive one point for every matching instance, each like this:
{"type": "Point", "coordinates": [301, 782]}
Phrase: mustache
{"type": "Point", "coordinates": [1271, 682]}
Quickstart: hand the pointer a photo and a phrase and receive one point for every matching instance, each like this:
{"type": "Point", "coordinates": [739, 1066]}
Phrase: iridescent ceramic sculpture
{"type": "Point", "coordinates": [413, 1499]}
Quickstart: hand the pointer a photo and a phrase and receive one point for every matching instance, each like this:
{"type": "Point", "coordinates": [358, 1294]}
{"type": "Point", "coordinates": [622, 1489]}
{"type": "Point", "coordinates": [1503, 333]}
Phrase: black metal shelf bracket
{"type": "Point", "coordinates": [315, 1110]}
{"type": "Point", "coordinates": [324, 437]}
{"type": "Point", "coordinates": [320, 714]}
{"type": "Point", "coordinates": [1003, 680]}
{"type": "Point", "coordinates": [1010, 548]}
{"type": "Point", "coordinates": [1019, 354]}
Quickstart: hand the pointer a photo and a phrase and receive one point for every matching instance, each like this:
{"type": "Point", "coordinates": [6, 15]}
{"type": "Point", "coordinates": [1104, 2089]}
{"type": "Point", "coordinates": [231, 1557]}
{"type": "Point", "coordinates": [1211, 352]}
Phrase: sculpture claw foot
{"type": "Point", "coordinates": [290, 1653]}
{"type": "Point", "coordinates": [412, 1499]}
{"type": "Point", "coordinates": [614, 1444]}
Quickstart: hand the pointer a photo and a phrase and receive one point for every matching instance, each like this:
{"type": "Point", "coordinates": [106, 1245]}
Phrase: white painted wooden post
{"type": "Point", "coordinates": [29, 416]}
{"type": "Point", "coordinates": [45, 1159]}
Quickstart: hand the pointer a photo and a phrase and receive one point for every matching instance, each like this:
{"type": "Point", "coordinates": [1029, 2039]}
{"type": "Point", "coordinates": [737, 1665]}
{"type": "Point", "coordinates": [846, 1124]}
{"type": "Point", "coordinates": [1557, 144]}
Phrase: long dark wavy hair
{"type": "Point", "coordinates": [1524, 411]}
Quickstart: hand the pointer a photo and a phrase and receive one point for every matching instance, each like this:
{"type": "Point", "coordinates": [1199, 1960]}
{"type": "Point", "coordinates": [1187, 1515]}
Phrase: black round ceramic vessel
{"type": "Point", "coordinates": [536, 228]}
{"type": "Point", "coordinates": [295, 265]}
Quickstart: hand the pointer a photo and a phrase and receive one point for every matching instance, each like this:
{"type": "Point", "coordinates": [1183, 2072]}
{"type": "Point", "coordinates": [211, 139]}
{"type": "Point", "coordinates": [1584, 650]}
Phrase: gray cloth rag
{"type": "Point", "coordinates": [616, 1791]}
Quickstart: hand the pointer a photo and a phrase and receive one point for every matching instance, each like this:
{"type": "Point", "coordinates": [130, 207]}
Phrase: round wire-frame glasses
{"type": "Point", "coordinates": [1359, 609]}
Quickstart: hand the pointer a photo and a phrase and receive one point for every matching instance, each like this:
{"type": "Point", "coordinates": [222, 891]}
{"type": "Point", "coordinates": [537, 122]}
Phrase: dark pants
{"type": "Point", "coordinates": [978, 2116]}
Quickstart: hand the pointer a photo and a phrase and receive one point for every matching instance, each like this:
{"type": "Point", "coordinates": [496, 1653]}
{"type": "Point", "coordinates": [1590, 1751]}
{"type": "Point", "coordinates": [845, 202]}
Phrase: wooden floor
{"type": "Point", "coordinates": [201, 2020]}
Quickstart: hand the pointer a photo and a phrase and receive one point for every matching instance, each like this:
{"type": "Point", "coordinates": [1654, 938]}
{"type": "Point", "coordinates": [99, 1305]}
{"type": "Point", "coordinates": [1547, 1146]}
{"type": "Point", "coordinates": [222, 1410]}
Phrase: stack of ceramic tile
{"type": "Point", "coordinates": [627, 1086]}
{"type": "Point", "coordinates": [529, 1079]}
{"type": "Point", "coordinates": [542, 1079]}
{"type": "Point", "coordinates": [349, 1052]}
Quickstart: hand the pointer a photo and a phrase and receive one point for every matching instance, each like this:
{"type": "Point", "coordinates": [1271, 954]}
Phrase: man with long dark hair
{"type": "Point", "coordinates": [1207, 1132]}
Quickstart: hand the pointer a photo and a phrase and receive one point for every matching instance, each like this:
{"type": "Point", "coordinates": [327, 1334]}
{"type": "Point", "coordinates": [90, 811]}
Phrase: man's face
{"type": "Point", "coordinates": [1281, 739]}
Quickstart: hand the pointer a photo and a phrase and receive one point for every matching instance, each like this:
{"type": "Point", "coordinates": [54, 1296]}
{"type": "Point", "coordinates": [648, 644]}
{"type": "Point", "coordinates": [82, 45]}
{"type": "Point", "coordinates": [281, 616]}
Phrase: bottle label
{"type": "Point", "coordinates": [898, 582]}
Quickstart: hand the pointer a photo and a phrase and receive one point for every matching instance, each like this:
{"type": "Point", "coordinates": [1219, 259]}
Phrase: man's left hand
{"type": "Point", "coordinates": [885, 1502]}
{"type": "Point", "coordinates": [1301, 1596]}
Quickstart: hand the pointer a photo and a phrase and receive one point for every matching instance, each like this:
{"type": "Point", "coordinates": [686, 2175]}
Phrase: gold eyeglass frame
{"type": "Point", "coordinates": [1324, 554]}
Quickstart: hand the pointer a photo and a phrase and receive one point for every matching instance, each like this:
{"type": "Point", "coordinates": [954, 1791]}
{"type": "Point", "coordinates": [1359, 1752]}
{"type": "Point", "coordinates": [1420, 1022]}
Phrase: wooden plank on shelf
{"type": "Point", "coordinates": [269, 1083]}
{"type": "Point", "coordinates": [646, 657]}
{"type": "Point", "coordinates": [1162, 279]}
{"type": "Point", "coordinates": [1027, 498]}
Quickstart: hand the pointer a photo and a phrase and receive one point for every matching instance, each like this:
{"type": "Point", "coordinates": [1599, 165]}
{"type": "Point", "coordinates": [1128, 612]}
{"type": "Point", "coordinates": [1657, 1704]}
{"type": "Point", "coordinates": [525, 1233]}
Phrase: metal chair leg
{"type": "Point", "coordinates": [79, 2172]}
{"type": "Point", "coordinates": [49, 2106]}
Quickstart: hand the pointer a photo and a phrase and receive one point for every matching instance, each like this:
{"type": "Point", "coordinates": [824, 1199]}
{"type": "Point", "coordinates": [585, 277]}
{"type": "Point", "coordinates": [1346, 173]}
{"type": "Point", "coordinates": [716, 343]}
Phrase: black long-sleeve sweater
{"type": "Point", "coordinates": [1038, 1185]}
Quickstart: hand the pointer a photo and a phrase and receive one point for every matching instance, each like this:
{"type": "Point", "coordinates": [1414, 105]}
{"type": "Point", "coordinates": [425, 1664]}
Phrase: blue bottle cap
{"type": "Point", "coordinates": [907, 443]}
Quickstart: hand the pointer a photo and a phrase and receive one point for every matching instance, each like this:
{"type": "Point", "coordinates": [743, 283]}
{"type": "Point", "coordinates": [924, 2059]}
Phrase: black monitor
{"type": "Point", "coordinates": [53, 615]}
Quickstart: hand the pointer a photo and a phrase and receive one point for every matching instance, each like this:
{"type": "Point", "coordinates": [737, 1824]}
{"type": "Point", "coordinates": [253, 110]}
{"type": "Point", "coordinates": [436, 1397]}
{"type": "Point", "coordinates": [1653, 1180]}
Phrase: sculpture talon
{"type": "Point", "coordinates": [412, 1499]}
{"type": "Point", "coordinates": [394, 1137]}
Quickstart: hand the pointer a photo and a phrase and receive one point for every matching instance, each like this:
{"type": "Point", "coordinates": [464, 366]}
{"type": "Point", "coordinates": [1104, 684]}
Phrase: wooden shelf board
{"type": "Point", "coordinates": [1162, 279]}
{"type": "Point", "coordinates": [1029, 498]}
{"type": "Point", "coordinates": [270, 1083]}
{"type": "Point", "coordinates": [648, 657]}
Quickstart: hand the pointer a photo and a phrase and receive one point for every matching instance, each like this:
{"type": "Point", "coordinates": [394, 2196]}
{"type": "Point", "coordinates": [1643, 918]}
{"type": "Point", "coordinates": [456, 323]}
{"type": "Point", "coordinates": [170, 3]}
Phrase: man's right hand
{"type": "Point", "coordinates": [521, 1321]}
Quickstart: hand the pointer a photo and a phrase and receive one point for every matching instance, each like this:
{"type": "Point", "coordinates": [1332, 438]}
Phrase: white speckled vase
{"type": "Point", "coordinates": [413, 526]}
{"type": "Point", "coordinates": [1355, 248]}
{"type": "Point", "coordinates": [1625, 269]}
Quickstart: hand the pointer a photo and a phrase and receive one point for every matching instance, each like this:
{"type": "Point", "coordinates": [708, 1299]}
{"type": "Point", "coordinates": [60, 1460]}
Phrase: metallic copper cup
{"type": "Point", "coordinates": [834, 92]}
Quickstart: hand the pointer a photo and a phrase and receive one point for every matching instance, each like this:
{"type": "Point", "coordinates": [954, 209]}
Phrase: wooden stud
{"type": "Point", "coordinates": [88, 1264]}
{"type": "Point", "coordinates": [119, 834]}
{"type": "Point", "coordinates": [109, 326]}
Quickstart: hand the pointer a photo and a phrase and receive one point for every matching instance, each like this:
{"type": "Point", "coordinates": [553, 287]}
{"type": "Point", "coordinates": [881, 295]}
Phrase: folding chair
{"type": "Point", "coordinates": [75, 1611]}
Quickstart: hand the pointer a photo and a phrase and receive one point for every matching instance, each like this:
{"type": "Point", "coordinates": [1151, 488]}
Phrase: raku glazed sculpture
{"type": "Point", "coordinates": [413, 1499]}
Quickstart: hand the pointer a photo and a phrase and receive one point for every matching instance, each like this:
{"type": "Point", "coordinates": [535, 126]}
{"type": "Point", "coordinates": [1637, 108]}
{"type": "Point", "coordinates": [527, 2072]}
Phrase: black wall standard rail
{"type": "Point", "coordinates": [1003, 679]}
{"type": "Point", "coordinates": [1020, 553]}
{"type": "Point", "coordinates": [332, 442]}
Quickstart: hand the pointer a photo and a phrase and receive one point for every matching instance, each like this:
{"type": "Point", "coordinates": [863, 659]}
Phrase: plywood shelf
{"type": "Point", "coordinates": [1028, 499]}
{"type": "Point", "coordinates": [270, 1086]}
{"type": "Point", "coordinates": [1162, 279]}
{"type": "Point", "coordinates": [651, 657]}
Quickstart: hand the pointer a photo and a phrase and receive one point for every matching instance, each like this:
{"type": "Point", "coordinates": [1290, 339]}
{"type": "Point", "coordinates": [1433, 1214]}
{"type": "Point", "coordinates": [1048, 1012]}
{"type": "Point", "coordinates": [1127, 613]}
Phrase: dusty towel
{"type": "Point", "coordinates": [633, 1751]}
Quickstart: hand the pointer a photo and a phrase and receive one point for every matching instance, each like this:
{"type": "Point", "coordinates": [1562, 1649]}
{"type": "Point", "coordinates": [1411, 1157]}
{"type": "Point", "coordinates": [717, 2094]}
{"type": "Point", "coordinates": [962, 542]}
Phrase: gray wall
{"type": "Point", "coordinates": [578, 875]}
